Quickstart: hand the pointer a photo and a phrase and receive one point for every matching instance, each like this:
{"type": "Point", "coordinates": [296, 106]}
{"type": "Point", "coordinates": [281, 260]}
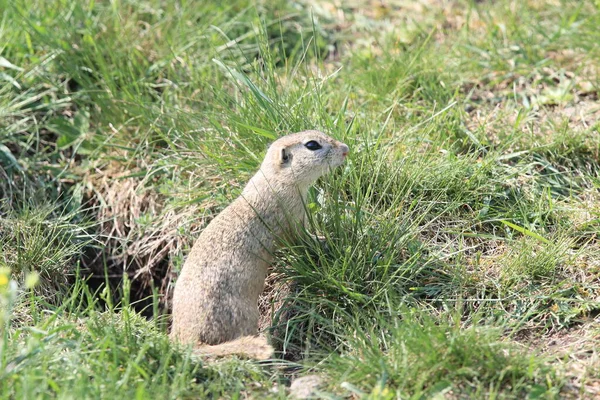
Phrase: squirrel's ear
{"type": "Point", "coordinates": [285, 156]}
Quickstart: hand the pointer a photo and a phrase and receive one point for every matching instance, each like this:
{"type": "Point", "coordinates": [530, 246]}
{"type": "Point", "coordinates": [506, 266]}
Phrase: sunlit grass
{"type": "Point", "coordinates": [460, 237]}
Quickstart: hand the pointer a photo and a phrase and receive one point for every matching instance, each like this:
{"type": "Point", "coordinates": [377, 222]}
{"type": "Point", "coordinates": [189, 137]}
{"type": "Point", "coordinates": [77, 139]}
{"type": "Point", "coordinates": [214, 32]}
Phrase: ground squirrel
{"type": "Point", "coordinates": [215, 302]}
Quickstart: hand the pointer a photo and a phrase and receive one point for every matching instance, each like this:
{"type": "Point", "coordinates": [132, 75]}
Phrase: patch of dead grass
{"type": "Point", "coordinates": [575, 351]}
{"type": "Point", "coordinates": [142, 236]}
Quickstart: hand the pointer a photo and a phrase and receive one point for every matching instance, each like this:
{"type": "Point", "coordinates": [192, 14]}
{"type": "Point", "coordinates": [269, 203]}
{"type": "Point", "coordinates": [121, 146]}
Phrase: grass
{"type": "Point", "coordinates": [461, 253]}
{"type": "Point", "coordinates": [83, 352]}
{"type": "Point", "coordinates": [424, 357]}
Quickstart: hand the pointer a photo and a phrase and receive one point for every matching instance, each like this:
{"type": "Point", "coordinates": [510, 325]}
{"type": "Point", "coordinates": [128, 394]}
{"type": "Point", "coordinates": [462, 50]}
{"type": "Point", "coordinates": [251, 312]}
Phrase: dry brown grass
{"type": "Point", "coordinates": [141, 236]}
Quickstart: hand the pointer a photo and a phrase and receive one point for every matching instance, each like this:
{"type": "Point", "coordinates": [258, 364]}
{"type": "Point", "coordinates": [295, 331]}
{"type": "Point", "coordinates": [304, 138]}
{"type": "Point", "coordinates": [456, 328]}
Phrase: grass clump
{"type": "Point", "coordinates": [530, 259]}
{"type": "Point", "coordinates": [44, 241]}
{"type": "Point", "coordinates": [422, 356]}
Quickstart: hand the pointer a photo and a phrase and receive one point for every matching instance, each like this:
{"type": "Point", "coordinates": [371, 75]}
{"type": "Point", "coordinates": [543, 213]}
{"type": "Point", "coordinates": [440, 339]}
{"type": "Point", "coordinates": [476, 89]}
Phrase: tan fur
{"type": "Point", "coordinates": [248, 346]}
{"type": "Point", "coordinates": [215, 302]}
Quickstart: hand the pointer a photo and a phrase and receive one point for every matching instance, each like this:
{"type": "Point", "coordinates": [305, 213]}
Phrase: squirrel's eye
{"type": "Point", "coordinates": [312, 145]}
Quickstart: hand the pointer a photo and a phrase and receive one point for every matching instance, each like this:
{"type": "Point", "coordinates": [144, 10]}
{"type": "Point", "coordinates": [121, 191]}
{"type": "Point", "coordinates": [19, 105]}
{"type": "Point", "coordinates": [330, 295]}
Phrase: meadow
{"type": "Point", "coordinates": [461, 257]}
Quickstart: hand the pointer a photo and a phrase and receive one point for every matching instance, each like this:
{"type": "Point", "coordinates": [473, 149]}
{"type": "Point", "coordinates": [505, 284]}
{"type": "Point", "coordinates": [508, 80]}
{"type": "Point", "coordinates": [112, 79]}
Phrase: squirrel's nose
{"type": "Point", "coordinates": [345, 150]}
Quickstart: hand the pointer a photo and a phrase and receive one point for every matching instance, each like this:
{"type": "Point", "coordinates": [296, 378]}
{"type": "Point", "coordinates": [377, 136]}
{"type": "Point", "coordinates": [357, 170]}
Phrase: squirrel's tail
{"type": "Point", "coordinates": [249, 346]}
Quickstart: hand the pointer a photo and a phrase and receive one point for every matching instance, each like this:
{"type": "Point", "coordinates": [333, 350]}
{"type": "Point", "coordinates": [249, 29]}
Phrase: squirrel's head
{"type": "Point", "coordinates": [304, 156]}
